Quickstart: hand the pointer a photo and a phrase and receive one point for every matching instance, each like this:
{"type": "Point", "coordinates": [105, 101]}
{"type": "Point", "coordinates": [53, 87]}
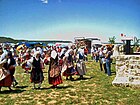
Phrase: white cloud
{"type": "Point", "coordinates": [45, 1]}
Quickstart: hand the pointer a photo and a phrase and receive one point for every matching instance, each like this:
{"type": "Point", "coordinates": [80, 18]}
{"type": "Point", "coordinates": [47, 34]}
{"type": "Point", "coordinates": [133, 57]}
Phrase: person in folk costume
{"type": "Point", "coordinates": [44, 53]}
{"type": "Point", "coordinates": [15, 55]}
{"type": "Point", "coordinates": [47, 57]}
{"type": "Point", "coordinates": [54, 74]}
{"type": "Point", "coordinates": [21, 57]}
{"type": "Point", "coordinates": [59, 50]}
{"type": "Point", "coordinates": [62, 61]}
{"type": "Point", "coordinates": [34, 50]}
{"type": "Point", "coordinates": [86, 53]}
{"type": "Point", "coordinates": [5, 77]}
{"type": "Point", "coordinates": [75, 52]}
{"type": "Point", "coordinates": [80, 65]}
{"type": "Point", "coordinates": [11, 66]}
{"type": "Point", "coordinates": [27, 56]}
{"type": "Point", "coordinates": [36, 72]}
{"type": "Point", "coordinates": [70, 65]}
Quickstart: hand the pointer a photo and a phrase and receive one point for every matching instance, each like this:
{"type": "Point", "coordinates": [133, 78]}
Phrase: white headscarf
{"type": "Point", "coordinates": [62, 51]}
{"type": "Point", "coordinates": [81, 51]}
{"type": "Point", "coordinates": [3, 57]}
{"type": "Point", "coordinates": [53, 54]}
{"type": "Point", "coordinates": [67, 53]}
{"type": "Point", "coordinates": [37, 52]}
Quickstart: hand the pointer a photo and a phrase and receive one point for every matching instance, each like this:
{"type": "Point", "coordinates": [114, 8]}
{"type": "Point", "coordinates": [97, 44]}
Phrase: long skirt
{"type": "Point", "coordinates": [6, 82]}
{"type": "Point", "coordinates": [12, 71]}
{"type": "Point", "coordinates": [36, 76]}
{"type": "Point", "coordinates": [81, 67]}
{"type": "Point", "coordinates": [69, 72]}
{"type": "Point", "coordinates": [55, 80]}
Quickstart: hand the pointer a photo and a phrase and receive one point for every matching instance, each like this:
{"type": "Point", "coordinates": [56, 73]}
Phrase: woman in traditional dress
{"type": "Point", "coordinates": [27, 57]}
{"type": "Point", "coordinates": [70, 65]}
{"type": "Point", "coordinates": [11, 67]}
{"type": "Point", "coordinates": [5, 77]}
{"type": "Point", "coordinates": [47, 57]}
{"type": "Point", "coordinates": [36, 72]}
{"type": "Point", "coordinates": [80, 65]}
{"type": "Point", "coordinates": [54, 74]}
{"type": "Point", "coordinates": [85, 54]}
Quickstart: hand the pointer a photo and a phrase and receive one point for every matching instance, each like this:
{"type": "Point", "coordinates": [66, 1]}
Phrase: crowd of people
{"type": "Point", "coordinates": [66, 61]}
{"type": "Point", "coordinates": [63, 61]}
{"type": "Point", "coordinates": [103, 56]}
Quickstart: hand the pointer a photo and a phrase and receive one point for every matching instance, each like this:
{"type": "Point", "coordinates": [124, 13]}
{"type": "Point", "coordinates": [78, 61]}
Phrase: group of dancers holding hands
{"type": "Point", "coordinates": [66, 61]}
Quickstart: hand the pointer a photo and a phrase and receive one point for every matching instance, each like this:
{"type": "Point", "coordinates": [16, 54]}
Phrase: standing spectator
{"type": "Point", "coordinates": [102, 59]}
{"type": "Point", "coordinates": [92, 52]}
{"type": "Point", "coordinates": [96, 54]}
{"type": "Point", "coordinates": [108, 60]}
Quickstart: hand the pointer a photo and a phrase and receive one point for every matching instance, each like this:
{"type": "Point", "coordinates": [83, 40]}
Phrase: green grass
{"type": "Point", "coordinates": [97, 89]}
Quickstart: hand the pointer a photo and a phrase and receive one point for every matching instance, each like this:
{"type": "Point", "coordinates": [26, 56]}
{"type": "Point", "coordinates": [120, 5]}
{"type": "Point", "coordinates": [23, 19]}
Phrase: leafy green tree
{"type": "Point", "coordinates": [112, 40]}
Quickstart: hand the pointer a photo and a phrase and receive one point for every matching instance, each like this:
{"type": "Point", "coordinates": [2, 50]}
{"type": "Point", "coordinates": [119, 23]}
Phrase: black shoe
{"type": "Point", "coordinates": [54, 86]}
{"type": "Point", "coordinates": [39, 88]}
{"type": "Point", "coordinates": [71, 78]}
{"type": "Point", "coordinates": [81, 76]}
{"type": "Point", "coordinates": [16, 83]}
{"type": "Point", "coordinates": [10, 89]}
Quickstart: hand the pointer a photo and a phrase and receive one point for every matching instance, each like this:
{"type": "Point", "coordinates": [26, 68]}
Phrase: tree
{"type": "Point", "coordinates": [112, 40]}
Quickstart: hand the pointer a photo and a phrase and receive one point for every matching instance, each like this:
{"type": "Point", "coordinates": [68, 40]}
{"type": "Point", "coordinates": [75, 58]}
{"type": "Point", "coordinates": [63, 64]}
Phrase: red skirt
{"type": "Point", "coordinates": [55, 80]}
{"type": "Point", "coordinates": [69, 72]}
{"type": "Point", "coordinates": [6, 82]}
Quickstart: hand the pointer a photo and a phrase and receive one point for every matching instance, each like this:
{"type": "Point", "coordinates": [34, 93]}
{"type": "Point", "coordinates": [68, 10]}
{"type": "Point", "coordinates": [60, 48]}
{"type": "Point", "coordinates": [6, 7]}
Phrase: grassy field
{"type": "Point", "coordinates": [96, 88]}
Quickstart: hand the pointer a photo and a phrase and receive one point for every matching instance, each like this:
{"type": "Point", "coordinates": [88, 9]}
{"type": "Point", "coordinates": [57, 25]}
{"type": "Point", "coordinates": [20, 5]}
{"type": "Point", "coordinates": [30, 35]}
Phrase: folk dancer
{"type": "Point", "coordinates": [36, 72]}
{"type": "Point", "coordinates": [54, 73]}
{"type": "Point", "coordinates": [11, 67]}
{"type": "Point", "coordinates": [69, 60]}
{"type": "Point", "coordinates": [80, 65]}
{"type": "Point", "coordinates": [5, 77]}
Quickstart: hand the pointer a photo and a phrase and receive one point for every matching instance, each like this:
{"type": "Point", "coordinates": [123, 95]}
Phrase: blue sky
{"type": "Point", "coordinates": [66, 19]}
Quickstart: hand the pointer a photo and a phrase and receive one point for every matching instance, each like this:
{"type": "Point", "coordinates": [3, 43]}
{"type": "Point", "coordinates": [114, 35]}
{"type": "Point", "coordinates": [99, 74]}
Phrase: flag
{"type": "Point", "coordinates": [122, 34]}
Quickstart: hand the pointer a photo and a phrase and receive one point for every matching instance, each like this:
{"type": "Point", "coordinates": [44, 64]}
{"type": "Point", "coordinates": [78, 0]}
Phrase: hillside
{"type": "Point", "coordinates": [10, 40]}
